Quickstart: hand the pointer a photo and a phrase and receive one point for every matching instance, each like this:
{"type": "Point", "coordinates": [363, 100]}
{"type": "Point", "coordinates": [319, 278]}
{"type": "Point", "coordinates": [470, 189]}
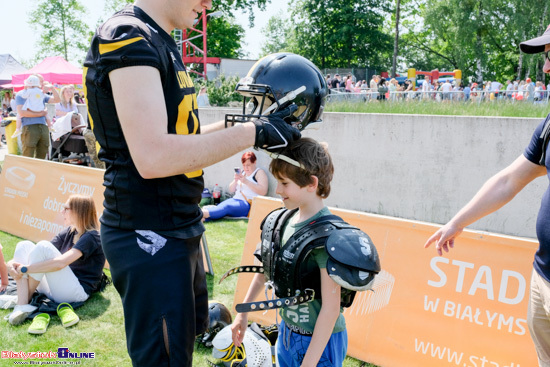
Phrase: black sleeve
{"type": "Point", "coordinates": [533, 152]}
{"type": "Point", "coordinates": [122, 42]}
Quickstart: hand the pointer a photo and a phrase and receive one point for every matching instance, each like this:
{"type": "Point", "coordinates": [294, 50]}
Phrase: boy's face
{"type": "Point", "coordinates": [293, 195]}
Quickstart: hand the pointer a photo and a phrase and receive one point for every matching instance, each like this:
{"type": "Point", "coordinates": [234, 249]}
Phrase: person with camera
{"type": "Point", "coordinates": [247, 183]}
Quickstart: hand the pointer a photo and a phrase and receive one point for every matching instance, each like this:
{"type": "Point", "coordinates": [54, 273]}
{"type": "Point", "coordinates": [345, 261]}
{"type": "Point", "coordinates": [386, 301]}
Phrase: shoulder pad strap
{"type": "Point", "coordinates": [329, 217]}
{"type": "Point", "coordinates": [269, 217]}
{"type": "Point", "coordinates": [288, 262]}
{"type": "Point", "coordinates": [242, 269]}
{"type": "Point", "coordinates": [281, 220]}
{"type": "Point", "coordinates": [271, 229]}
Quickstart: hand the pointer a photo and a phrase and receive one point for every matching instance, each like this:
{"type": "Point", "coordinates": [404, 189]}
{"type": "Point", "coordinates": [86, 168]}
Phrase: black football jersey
{"type": "Point", "coordinates": [132, 38]}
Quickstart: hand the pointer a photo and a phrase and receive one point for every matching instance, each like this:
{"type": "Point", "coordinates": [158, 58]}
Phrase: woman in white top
{"type": "Point", "coordinates": [248, 183]}
{"type": "Point", "coordinates": [67, 104]}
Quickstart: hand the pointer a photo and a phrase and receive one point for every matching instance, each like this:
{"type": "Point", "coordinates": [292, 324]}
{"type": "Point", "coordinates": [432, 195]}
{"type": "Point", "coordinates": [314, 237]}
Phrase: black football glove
{"type": "Point", "coordinates": [273, 133]}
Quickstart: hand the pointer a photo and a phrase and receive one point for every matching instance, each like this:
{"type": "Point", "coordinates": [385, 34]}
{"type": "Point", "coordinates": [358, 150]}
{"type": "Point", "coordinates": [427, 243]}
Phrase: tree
{"type": "Point", "coordinates": [224, 35]}
{"type": "Point", "coordinates": [396, 40]}
{"type": "Point", "coordinates": [224, 38]}
{"type": "Point", "coordinates": [61, 28]}
{"type": "Point", "coordinates": [229, 7]}
{"type": "Point", "coordinates": [276, 34]}
{"type": "Point", "coordinates": [341, 33]}
{"type": "Point", "coordinates": [480, 37]}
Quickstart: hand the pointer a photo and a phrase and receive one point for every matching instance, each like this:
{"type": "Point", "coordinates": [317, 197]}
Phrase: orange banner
{"type": "Point", "coordinates": [33, 190]}
{"type": "Point", "coordinates": [466, 309]}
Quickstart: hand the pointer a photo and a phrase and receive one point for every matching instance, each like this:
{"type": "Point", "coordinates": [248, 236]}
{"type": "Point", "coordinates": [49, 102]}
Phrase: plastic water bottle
{"type": "Point", "coordinates": [216, 194]}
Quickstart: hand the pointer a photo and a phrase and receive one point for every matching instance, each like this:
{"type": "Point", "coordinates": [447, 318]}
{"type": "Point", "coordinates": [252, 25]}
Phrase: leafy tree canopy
{"type": "Point", "coordinates": [61, 28]}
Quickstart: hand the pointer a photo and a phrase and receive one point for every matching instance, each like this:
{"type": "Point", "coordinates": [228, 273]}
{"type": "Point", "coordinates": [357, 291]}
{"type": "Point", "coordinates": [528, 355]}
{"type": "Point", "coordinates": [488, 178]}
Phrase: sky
{"type": "Point", "coordinates": [19, 38]}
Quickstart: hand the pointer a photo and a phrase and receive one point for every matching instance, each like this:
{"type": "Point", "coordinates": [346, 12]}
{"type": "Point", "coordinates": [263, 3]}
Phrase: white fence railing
{"type": "Point", "coordinates": [367, 95]}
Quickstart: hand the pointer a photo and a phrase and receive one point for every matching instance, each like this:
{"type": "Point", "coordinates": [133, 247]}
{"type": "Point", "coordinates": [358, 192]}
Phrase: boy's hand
{"type": "Point", "coordinates": [238, 328]}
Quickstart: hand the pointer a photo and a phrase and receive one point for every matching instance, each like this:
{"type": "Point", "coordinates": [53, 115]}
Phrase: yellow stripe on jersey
{"type": "Point", "coordinates": [186, 111]}
{"type": "Point", "coordinates": [184, 80]}
{"type": "Point", "coordinates": [85, 91]}
{"type": "Point", "coordinates": [110, 47]}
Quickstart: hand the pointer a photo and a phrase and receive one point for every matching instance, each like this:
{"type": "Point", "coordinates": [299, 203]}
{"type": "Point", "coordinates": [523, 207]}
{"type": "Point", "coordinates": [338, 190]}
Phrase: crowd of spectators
{"type": "Point", "coordinates": [446, 89]}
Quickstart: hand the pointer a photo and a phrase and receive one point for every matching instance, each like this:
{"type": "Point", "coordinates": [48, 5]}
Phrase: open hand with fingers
{"type": "Point", "coordinates": [444, 238]}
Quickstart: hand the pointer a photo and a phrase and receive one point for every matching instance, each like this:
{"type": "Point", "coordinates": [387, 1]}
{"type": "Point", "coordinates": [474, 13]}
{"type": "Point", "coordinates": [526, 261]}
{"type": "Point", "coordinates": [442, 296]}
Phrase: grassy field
{"type": "Point", "coordinates": [101, 327]}
{"type": "Point", "coordinates": [500, 108]}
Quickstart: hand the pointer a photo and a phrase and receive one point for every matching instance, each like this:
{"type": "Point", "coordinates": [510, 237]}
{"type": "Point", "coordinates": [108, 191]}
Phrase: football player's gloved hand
{"type": "Point", "coordinates": [273, 133]}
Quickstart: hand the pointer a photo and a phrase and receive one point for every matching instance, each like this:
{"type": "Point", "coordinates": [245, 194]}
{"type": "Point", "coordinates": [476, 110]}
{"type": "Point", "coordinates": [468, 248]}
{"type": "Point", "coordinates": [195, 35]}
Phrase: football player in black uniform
{"type": "Point", "coordinates": [143, 110]}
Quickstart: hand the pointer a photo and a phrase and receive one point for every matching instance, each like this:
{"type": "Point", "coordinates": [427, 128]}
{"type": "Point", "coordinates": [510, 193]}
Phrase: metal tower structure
{"type": "Point", "coordinates": [190, 52]}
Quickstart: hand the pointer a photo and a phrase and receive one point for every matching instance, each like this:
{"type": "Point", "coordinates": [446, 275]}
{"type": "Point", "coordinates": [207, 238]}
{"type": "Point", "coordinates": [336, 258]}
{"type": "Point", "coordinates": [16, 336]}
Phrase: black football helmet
{"type": "Point", "coordinates": [277, 81]}
{"type": "Point", "coordinates": [219, 317]}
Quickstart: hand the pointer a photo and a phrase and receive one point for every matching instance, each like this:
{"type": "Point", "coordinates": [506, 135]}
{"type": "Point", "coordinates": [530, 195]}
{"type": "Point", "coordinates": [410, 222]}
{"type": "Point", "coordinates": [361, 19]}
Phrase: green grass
{"type": "Point", "coordinates": [495, 108]}
{"type": "Point", "coordinates": [101, 327]}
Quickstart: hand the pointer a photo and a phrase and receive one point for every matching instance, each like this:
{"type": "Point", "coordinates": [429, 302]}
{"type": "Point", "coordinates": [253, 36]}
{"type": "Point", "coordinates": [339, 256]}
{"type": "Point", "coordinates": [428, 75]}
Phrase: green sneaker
{"type": "Point", "coordinates": [67, 315]}
{"type": "Point", "coordinates": [39, 324]}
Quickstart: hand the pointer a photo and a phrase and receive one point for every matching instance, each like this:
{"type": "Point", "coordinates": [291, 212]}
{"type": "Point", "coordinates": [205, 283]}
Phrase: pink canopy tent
{"type": "Point", "coordinates": [54, 70]}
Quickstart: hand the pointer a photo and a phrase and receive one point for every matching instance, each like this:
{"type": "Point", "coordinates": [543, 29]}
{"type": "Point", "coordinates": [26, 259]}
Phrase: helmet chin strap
{"type": "Point", "coordinates": [284, 158]}
{"type": "Point", "coordinates": [289, 97]}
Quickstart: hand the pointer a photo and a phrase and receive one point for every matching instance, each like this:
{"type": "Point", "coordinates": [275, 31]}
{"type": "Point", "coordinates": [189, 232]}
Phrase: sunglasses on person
{"type": "Point", "coordinates": [64, 208]}
{"type": "Point", "coordinates": [547, 55]}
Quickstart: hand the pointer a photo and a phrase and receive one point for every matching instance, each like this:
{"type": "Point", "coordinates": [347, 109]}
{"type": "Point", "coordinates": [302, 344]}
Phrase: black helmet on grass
{"type": "Point", "coordinates": [218, 318]}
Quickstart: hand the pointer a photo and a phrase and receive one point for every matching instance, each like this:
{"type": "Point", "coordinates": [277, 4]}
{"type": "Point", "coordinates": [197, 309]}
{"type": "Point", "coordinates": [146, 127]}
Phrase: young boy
{"type": "Point", "coordinates": [34, 101]}
{"type": "Point", "coordinates": [302, 341]}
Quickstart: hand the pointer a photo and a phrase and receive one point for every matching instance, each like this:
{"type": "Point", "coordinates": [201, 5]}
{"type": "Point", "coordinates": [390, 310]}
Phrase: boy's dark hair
{"type": "Point", "coordinates": [316, 160]}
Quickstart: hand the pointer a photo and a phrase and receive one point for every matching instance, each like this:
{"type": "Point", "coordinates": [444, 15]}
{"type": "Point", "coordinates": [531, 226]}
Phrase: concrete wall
{"type": "Point", "coordinates": [419, 167]}
{"type": "Point", "coordinates": [229, 68]}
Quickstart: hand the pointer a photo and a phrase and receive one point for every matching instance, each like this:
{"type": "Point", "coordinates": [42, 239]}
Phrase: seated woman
{"type": "Point", "coordinates": [248, 183]}
{"type": "Point", "coordinates": [67, 269]}
{"type": "Point", "coordinates": [67, 104]}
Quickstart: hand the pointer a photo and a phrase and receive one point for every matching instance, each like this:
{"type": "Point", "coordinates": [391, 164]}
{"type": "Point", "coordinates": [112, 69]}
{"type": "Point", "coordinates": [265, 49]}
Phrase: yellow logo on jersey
{"type": "Point", "coordinates": [188, 122]}
{"type": "Point", "coordinates": [184, 80]}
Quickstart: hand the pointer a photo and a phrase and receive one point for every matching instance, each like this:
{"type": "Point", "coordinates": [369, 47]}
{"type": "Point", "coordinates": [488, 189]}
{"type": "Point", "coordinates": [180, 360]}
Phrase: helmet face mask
{"type": "Point", "coordinates": [257, 98]}
{"type": "Point", "coordinates": [277, 81]}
